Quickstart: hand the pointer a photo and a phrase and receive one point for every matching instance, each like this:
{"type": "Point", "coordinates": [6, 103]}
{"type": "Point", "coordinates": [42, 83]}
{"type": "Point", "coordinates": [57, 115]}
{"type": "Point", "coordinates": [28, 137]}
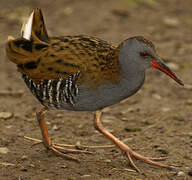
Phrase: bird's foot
{"type": "Point", "coordinates": [130, 153]}
{"type": "Point", "coordinates": [59, 149]}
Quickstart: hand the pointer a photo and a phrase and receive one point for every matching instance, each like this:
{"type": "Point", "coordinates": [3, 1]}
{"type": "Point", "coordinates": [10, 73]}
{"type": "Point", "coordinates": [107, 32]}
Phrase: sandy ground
{"type": "Point", "coordinates": [156, 122]}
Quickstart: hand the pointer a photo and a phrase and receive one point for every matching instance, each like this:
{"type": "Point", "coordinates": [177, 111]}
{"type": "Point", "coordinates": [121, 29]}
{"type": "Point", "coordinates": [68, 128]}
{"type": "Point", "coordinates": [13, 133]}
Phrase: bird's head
{"type": "Point", "coordinates": [141, 54]}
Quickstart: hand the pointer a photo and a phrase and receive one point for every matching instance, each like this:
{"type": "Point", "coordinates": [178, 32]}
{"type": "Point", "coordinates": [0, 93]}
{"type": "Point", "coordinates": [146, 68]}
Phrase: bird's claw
{"type": "Point", "coordinates": [129, 153]}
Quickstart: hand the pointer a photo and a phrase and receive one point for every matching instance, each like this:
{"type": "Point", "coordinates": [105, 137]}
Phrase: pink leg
{"type": "Point", "coordinates": [60, 151]}
{"type": "Point", "coordinates": [129, 152]}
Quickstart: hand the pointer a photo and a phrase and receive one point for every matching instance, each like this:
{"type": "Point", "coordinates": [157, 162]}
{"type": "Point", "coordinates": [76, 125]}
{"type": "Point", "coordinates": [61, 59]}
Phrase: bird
{"type": "Point", "coordinates": [82, 73]}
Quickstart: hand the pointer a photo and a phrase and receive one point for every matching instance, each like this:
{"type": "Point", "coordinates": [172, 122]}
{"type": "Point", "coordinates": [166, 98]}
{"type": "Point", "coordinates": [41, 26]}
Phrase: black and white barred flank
{"type": "Point", "coordinates": [54, 93]}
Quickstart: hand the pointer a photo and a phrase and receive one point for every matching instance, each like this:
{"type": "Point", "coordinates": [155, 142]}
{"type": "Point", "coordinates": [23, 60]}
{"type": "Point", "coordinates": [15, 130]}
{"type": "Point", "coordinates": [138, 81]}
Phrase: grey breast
{"type": "Point", "coordinates": [65, 94]}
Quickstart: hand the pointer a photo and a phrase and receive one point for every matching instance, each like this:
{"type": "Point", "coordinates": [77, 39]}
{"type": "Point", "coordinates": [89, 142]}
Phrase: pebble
{"type": "Point", "coordinates": [131, 110]}
{"type": "Point", "coordinates": [178, 117]}
{"type": "Point", "coordinates": [9, 126]}
{"type": "Point", "coordinates": [7, 164]}
{"type": "Point", "coordinates": [55, 127]}
{"type": "Point", "coordinates": [171, 22]}
{"type": "Point", "coordinates": [190, 173]}
{"type": "Point", "coordinates": [120, 12]}
{"type": "Point", "coordinates": [132, 129]}
{"type": "Point", "coordinates": [78, 145]}
{"type": "Point", "coordinates": [59, 115]}
{"type": "Point", "coordinates": [68, 11]}
{"type": "Point", "coordinates": [163, 151]}
{"type": "Point", "coordinates": [188, 86]}
{"type": "Point", "coordinates": [173, 66]}
{"type": "Point", "coordinates": [24, 157]}
{"type": "Point", "coordinates": [6, 115]}
{"type": "Point", "coordinates": [86, 175]}
{"type": "Point", "coordinates": [4, 150]}
{"type": "Point", "coordinates": [180, 173]}
{"type": "Point", "coordinates": [190, 134]}
{"type": "Point", "coordinates": [63, 166]}
{"type": "Point", "coordinates": [18, 93]}
{"type": "Point", "coordinates": [32, 165]}
{"type": "Point", "coordinates": [165, 109]}
{"type": "Point", "coordinates": [48, 123]}
{"type": "Point", "coordinates": [24, 169]}
{"type": "Point", "coordinates": [156, 96]}
{"type": "Point", "coordinates": [189, 102]}
{"type": "Point", "coordinates": [107, 161]}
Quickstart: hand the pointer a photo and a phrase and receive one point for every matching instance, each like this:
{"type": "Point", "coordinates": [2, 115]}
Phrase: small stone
{"type": "Point", "coordinates": [188, 86]}
{"type": "Point", "coordinates": [59, 115]}
{"type": "Point", "coordinates": [18, 93]}
{"type": "Point", "coordinates": [63, 166]}
{"type": "Point", "coordinates": [190, 173]}
{"type": "Point", "coordinates": [86, 175]}
{"type": "Point", "coordinates": [48, 123]}
{"type": "Point", "coordinates": [180, 173]}
{"type": "Point", "coordinates": [20, 134]}
{"type": "Point", "coordinates": [127, 139]}
{"type": "Point", "coordinates": [68, 10]}
{"type": "Point", "coordinates": [132, 129]}
{"type": "Point", "coordinates": [165, 109]}
{"type": "Point", "coordinates": [173, 66]}
{"type": "Point", "coordinates": [187, 168]}
{"type": "Point", "coordinates": [78, 145]}
{"type": "Point", "coordinates": [107, 160]}
{"type": "Point", "coordinates": [4, 150]}
{"type": "Point", "coordinates": [131, 110]}
{"type": "Point", "coordinates": [120, 12]}
{"type": "Point", "coordinates": [171, 22]}
{"type": "Point", "coordinates": [24, 169]}
{"type": "Point", "coordinates": [9, 126]}
{"type": "Point", "coordinates": [71, 178]}
{"type": "Point", "coordinates": [24, 157]}
{"type": "Point", "coordinates": [163, 151]}
{"type": "Point", "coordinates": [189, 102]}
{"type": "Point", "coordinates": [7, 164]}
{"type": "Point", "coordinates": [6, 115]}
{"type": "Point", "coordinates": [156, 96]}
{"type": "Point", "coordinates": [55, 127]}
{"type": "Point", "coordinates": [32, 165]}
{"type": "Point", "coordinates": [108, 119]}
{"type": "Point", "coordinates": [177, 117]}
{"type": "Point", "coordinates": [190, 134]}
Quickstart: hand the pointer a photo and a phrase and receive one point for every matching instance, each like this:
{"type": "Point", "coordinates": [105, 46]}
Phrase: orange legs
{"type": "Point", "coordinates": [58, 150]}
{"type": "Point", "coordinates": [129, 153]}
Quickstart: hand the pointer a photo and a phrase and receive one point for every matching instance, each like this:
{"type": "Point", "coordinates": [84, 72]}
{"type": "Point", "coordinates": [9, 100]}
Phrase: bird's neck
{"type": "Point", "coordinates": [131, 76]}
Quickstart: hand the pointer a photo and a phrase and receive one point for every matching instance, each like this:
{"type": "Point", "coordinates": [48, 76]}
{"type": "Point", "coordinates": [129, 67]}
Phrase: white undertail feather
{"type": "Point", "coordinates": [26, 28]}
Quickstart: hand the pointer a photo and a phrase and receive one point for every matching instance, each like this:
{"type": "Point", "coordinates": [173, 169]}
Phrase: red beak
{"type": "Point", "coordinates": [162, 67]}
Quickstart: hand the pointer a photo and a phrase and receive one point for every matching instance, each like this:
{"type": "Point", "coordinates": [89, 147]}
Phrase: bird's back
{"type": "Point", "coordinates": [95, 59]}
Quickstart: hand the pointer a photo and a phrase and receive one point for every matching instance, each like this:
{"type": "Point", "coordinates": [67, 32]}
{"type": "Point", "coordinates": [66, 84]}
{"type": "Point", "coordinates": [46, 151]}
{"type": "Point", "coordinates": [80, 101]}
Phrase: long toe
{"type": "Point", "coordinates": [63, 155]}
{"type": "Point", "coordinates": [66, 150]}
{"type": "Point", "coordinates": [147, 160]}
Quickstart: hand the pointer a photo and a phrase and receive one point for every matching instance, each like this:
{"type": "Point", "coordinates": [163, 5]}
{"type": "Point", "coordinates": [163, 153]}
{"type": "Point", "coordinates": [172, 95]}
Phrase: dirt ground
{"type": "Point", "coordinates": [156, 122]}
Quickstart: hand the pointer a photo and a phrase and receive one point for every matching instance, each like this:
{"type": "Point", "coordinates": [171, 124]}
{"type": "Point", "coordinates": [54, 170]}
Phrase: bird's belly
{"type": "Point", "coordinates": [87, 99]}
{"type": "Point", "coordinates": [94, 99]}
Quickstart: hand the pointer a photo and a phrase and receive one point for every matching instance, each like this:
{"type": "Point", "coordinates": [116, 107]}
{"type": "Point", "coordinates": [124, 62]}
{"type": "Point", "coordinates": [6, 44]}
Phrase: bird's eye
{"type": "Point", "coordinates": [144, 54]}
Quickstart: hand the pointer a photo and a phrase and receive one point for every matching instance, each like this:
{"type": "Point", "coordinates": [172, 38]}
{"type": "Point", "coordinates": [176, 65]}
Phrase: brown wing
{"type": "Point", "coordinates": [44, 58]}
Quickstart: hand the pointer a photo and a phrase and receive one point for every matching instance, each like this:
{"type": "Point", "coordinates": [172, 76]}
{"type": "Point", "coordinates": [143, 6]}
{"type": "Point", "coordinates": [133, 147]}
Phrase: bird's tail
{"type": "Point", "coordinates": [35, 27]}
{"type": "Point", "coordinates": [34, 38]}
